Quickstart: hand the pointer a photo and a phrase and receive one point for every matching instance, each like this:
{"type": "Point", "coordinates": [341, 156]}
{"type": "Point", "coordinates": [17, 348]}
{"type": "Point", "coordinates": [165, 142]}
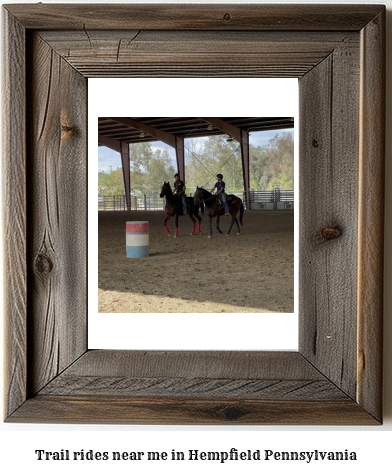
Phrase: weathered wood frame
{"type": "Point", "coordinates": [335, 377]}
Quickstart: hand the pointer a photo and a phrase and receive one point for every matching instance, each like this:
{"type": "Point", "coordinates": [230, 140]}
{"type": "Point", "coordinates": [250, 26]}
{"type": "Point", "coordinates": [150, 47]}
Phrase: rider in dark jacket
{"type": "Point", "coordinates": [179, 190]}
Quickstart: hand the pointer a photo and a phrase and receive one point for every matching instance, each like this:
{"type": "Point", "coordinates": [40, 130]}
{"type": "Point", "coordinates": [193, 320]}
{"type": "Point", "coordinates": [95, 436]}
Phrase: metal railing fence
{"type": "Point", "coordinates": [276, 199]}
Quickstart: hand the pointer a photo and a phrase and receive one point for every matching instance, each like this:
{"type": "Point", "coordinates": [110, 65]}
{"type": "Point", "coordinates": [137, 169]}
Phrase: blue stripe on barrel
{"type": "Point", "coordinates": [137, 239]}
{"type": "Point", "coordinates": [137, 252]}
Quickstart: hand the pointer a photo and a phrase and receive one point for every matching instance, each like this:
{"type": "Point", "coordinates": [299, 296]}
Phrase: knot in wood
{"type": "Point", "coordinates": [232, 413]}
{"type": "Point", "coordinates": [68, 128]}
{"type": "Point", "coordinates": [328, 233]}
{"type": "Point", "coordinates": [227, 16]}
{"type": "Point", "coordinates": [315, 143]}
{"type": "Point", "coordinates": [43, 264]}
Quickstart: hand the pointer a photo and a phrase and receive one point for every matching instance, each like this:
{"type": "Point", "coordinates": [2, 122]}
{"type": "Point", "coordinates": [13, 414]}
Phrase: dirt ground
{"type": "Point", "coordinates": [249, 273]}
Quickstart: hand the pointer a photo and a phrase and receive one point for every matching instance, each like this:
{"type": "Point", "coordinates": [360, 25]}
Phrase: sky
{"type": "Point", "coordinates": [109, 159]}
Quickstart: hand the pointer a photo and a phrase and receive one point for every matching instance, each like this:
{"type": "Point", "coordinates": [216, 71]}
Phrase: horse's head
{"type": "Point", "coordinates": [166, 190]}
{"type": "Point", "coordinates": [201, 194]}
{"type": "Point", "coordinates": [198, 195]}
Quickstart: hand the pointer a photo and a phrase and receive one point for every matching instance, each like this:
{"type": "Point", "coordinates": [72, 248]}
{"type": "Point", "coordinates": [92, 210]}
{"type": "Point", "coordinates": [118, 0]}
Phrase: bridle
{"type": "Point", "coordinates": [212, 196]}
{"type": "Point", "coordinates": [168, 192]}
{"type": "Point", "coordinates": [207, 199]}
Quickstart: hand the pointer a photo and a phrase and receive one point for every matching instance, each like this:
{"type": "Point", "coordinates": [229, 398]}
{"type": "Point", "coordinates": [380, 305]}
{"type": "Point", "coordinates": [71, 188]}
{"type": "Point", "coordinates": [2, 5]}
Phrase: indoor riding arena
{"type": "Point", "coordinates": [252, 272]}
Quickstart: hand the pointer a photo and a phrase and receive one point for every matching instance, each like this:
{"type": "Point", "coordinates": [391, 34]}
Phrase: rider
{"type": "Point", "coordinates": [179, 190]}
{"type": "Point", "coordinates": [220, 191]}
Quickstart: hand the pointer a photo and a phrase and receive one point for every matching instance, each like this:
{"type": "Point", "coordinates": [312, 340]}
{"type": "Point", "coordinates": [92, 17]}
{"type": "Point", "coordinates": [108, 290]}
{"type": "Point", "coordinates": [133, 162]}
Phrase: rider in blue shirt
{"type": "Point", "coordinates": [220, 191]}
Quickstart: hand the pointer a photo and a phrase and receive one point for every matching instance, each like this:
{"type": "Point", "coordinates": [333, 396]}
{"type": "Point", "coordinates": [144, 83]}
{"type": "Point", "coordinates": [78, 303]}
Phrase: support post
{"type": "Point", "coordinates": [126, 173]}
{"type": "Point", "coordinates": [180, 157]}
{"type": "Point", "coordinates": [245, 164]}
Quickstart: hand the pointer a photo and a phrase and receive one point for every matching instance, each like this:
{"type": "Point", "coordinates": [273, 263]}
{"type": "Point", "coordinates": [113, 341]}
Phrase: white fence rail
{"type": "Point", "coordinates": [138, 203]}
{"type": "Point", "coordinates": [259, 200]}
{"type": "Point", "coordinates": [277, 199]}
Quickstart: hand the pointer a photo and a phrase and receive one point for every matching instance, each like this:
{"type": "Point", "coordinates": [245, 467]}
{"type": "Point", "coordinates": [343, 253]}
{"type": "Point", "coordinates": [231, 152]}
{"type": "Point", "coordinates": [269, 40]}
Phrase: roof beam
{"type": "Point", "coordinates": [225, 127]}
{"type": "Point", "coordinates": [109, 142]}
{"type": "Point", "coordinates": [160, 135]}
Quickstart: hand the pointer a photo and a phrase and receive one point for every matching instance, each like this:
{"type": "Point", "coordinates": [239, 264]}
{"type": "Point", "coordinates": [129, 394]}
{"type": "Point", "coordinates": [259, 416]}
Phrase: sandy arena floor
{"type": "Point", "coordinates": [250, 273]}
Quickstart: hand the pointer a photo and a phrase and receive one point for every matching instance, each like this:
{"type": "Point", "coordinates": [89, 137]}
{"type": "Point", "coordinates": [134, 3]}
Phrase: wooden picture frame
{"type": "Point", "coordinates": [338, 54]}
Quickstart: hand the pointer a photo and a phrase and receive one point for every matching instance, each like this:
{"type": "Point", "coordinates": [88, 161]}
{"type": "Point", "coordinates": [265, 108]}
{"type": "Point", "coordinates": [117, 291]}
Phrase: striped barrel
{"type": "Point", "coordinates": [137, 239]}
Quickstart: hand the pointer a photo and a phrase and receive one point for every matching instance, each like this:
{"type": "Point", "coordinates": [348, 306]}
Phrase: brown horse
{"type": "Point", "coordinates": [173, 207]}
{"type": "Point", "coordinates": [216, 209]}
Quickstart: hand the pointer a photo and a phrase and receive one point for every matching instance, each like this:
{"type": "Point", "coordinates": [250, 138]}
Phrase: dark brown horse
{"type": "Point", "coordinates": [173, 207]}
{"type": "Point", "coordinates": [216, 209]}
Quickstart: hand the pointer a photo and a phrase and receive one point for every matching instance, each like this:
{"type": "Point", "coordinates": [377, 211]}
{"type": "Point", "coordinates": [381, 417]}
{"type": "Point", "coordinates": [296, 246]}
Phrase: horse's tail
{"type": "Point", "coordinates": [242, 210]}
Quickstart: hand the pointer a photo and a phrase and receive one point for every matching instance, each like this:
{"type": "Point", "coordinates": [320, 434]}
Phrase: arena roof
{"type": "Point", "coordinates": [186, 127]}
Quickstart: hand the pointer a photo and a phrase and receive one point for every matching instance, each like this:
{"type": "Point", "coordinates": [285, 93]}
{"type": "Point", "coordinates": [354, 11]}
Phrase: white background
{"type": "Point", "coordinates": [18, 442]}
{"type": "Point", "coordinates": [265, 97]}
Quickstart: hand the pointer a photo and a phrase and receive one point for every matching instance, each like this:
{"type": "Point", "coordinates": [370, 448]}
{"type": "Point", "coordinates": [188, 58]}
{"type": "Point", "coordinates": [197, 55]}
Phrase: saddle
{"type": "Point", "coordinates": [222, 206]}
{"type": "Point", "coordinates": [178, 204]}
{"type": "Point", "coordinates": [220, 202]}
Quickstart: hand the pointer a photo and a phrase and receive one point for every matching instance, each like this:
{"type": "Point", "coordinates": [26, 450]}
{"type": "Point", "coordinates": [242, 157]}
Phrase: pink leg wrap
{"type": "Point", "coordinates": [177, 231]}
{"type": "Point", "coordinates": [167, 230]}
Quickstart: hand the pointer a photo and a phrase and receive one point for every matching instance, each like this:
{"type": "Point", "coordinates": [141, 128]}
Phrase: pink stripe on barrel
{"type": "Point", "coordinates": [135, 227]}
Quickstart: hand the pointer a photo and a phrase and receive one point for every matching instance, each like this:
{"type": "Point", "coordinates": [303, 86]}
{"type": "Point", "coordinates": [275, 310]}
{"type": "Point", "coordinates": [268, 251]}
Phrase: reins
{"type": "Point", "coordinates": [204, 200]}
{"type": "Point", "coordinates": [215, 196]}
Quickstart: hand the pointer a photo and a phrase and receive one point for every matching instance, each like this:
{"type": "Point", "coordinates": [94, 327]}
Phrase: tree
{"type": "Point", "coordinates": [148, 171]}
{"type": "Point", "coordinates": [160, 169]}
{"type": "Point", "coordinates": [111, 184]}
{"type": "Point", "coordinates": [216, 156]}
{"type": "Point", "coordinates": [227, 155]}
{"type": "Point", "coordinates": [272, 166]}
{"type": "Point", "coordinates": [198, 165]}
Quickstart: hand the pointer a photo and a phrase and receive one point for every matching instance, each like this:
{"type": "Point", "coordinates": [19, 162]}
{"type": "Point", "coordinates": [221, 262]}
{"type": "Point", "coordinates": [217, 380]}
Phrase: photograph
{"type": "Point", "coordinates": [196, 214]}
{"type": "Point", "coordinates": [257, 207]}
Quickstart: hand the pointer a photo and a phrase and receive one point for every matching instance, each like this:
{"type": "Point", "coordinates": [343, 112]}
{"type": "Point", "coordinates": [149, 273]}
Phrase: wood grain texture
{"type": "Point", "coordinates": [103, 409]}
{"type": "Point", "coordinates": [193, 17]}
{"type": "Point", "coordinates": [205, 364]}
{"type": "Point", "coordinates": [190, 387]}
{"type": "Point", "coordinates": [126, 53]}
{"type": "Point", "coordinates": [14, 209]}
{"type": "Point", "coordinates": [329, 198]}
{"type": "Point", "coordinates": [187, 374]}
{"type": "Point", "coordinates": [57, 215]}
{"type": "Point", "coordinates": [336, 377]}
{"type": "Point", "coordinates": [219, 71]}
{"type": "Point", "coordinates": [371, 216]}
